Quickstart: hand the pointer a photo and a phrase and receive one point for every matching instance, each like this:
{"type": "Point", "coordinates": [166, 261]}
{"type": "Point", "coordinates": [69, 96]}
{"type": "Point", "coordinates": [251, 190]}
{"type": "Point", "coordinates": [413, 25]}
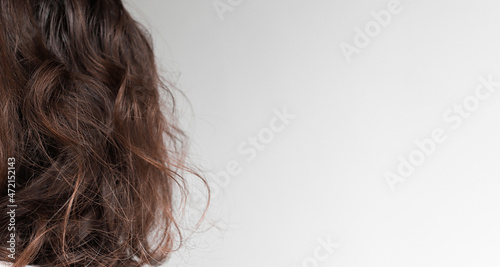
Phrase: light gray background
{"type": "Point", "coordinates": [323, 175]}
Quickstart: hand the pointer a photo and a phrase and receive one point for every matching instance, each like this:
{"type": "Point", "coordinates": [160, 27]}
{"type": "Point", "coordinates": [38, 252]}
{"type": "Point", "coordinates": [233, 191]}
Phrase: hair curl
{"type": "Point", "coordinates": [97, 159]}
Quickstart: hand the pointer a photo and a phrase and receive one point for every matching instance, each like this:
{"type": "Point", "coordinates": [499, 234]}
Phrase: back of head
{"type": "Point", "coordinates": [81, 120]}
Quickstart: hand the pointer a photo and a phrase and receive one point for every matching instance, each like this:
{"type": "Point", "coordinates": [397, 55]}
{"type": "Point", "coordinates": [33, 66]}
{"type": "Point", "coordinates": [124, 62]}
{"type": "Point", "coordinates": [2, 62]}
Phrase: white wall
{"type": "Point", "coordinates": [323, 175]}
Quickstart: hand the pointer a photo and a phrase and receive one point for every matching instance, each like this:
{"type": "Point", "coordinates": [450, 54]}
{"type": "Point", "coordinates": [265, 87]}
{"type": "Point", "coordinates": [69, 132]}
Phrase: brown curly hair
{"type": "Point", "coordinates": [97, 158]}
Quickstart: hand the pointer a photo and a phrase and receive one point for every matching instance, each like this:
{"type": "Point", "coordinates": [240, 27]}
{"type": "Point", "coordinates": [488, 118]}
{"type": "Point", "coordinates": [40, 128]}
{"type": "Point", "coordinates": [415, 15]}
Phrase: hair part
{"type": "Point", "coordinates": [97, 158]}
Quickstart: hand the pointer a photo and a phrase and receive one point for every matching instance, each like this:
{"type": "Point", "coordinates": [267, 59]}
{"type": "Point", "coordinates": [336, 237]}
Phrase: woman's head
{"type": "Point", "coordinates": [96, 156]}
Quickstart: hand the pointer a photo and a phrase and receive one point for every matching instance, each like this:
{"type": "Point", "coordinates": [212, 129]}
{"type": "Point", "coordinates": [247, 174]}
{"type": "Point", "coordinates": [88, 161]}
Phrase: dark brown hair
{"type": "Point", "coordinates": [97, 157]}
